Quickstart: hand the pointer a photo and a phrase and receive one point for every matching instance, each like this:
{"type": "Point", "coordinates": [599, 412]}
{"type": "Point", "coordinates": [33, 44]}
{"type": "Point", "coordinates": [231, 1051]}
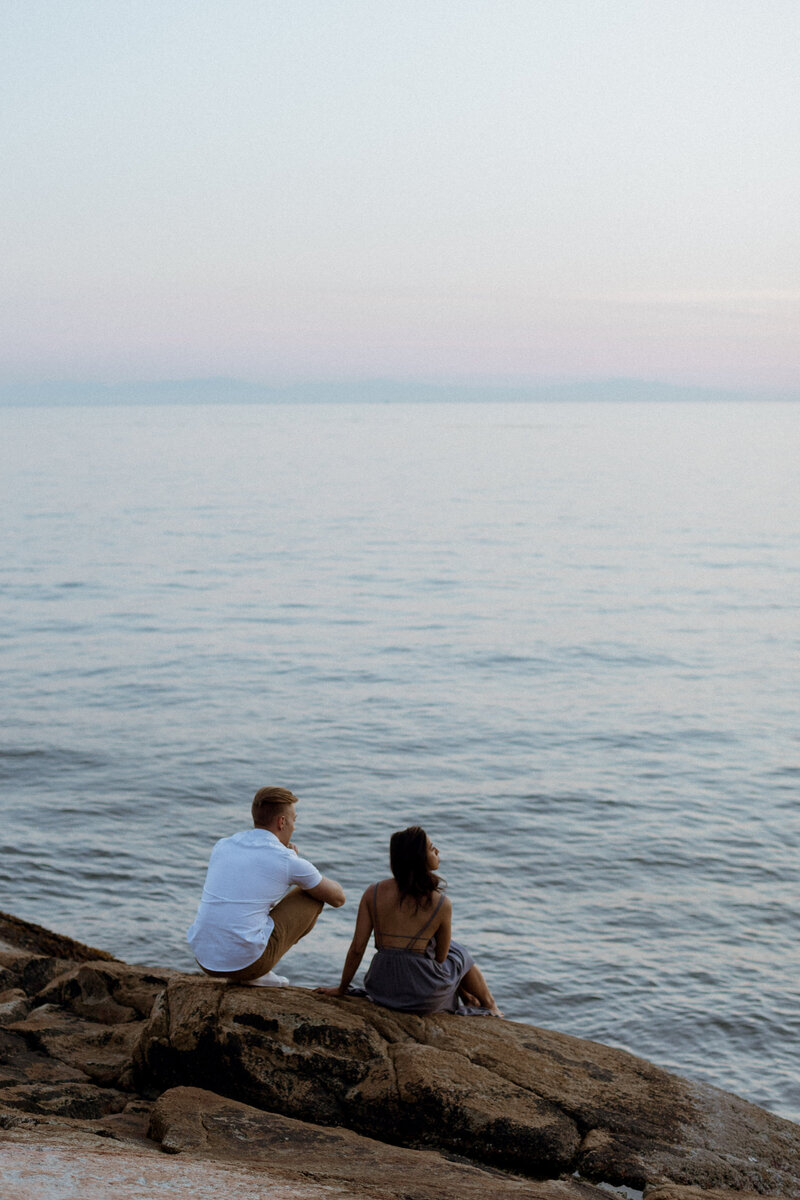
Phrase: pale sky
{"type": "Point", "coordinates": [454, 190]}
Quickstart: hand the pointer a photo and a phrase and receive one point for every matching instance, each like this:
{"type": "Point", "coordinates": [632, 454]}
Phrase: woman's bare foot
{"type": "Point", "coordinates": [474, 985]}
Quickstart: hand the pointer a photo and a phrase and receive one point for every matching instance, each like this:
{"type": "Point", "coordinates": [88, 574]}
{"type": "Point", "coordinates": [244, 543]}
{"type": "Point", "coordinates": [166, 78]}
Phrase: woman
{"type": "Point", "coordinates": [417, 968]}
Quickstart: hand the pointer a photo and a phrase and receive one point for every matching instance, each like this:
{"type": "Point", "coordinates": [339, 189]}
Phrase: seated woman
{"type": "Point", "coordinates": [417, 968]}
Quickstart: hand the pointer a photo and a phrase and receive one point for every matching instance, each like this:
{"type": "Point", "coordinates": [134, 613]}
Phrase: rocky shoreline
{"type": "Point", "coordinates": [133, 1082]}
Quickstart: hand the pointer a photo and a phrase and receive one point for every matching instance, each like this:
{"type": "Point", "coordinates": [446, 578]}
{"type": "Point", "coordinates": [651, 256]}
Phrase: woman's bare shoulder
{"type": "Point", "coordinates": [380, 884]}
{"type": "Point", "coordinates": [436, 902]}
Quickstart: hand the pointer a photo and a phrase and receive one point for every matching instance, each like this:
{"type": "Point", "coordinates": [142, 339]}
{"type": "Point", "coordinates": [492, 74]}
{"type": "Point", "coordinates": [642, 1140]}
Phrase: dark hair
{"type": "Point", "coordinates": [408, 858]}
{"type": "Point", "coordinates": [269, 803]}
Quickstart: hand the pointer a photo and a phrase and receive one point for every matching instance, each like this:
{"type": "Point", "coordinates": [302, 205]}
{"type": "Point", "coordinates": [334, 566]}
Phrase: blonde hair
{"type": "Point", "coordinates": [268, 803]}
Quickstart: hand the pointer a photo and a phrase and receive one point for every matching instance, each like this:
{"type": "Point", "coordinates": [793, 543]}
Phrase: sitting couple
{"type": "Point", "coordinates": [247, 919]}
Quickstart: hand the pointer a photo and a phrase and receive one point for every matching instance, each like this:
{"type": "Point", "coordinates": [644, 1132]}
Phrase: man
{"type": "Point", "coordinates": [246, 920]}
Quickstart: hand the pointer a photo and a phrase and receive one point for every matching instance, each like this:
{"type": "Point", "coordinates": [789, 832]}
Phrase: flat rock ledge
{"type": "Point", "coordinates": [131, 1074]}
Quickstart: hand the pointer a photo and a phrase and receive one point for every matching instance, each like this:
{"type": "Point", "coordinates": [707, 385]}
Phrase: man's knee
{"type": "Point", "coordinates": [297, 901]}
{"type": "Point", "coordinates": [305, 910]}
{"type": "Point", "coordinates": [293, 918]}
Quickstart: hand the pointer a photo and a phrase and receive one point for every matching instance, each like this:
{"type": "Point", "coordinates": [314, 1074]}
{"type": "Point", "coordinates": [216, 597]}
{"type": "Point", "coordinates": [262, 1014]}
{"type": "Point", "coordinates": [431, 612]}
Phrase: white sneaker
{"type": "Point", "coordinates": [268, 980]}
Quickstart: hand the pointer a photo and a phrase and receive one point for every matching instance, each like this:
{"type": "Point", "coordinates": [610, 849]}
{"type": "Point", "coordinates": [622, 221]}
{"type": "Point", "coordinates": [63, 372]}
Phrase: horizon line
{"type": "Point", "coordinates": [223, 389]}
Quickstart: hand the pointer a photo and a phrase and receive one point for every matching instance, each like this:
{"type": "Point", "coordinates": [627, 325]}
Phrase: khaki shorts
{"type": "Point", "coordinates": [294, 916]}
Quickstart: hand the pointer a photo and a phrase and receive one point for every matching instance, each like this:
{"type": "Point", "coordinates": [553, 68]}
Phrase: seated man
{"type": "Point", "coordinates": [246, 921]}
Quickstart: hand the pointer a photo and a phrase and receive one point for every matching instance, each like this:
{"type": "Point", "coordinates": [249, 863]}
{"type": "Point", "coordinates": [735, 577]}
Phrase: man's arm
{"type": "Point", "coordinates": [328, 891]}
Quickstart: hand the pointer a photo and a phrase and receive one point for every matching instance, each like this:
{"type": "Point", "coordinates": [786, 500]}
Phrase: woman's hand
{"type": "Point", "coordinates": [330, 991]}
{"type": "Point", "coordinates": [468, 999]}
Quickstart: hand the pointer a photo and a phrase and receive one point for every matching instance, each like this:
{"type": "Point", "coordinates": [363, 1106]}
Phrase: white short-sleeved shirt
{"type": "Point", "coordinates": [248, 874]}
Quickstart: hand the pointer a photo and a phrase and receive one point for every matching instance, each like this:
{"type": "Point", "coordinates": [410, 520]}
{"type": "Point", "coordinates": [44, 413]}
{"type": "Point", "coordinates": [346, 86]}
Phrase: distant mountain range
{"type": "Point", "coordinates": [383, 391]}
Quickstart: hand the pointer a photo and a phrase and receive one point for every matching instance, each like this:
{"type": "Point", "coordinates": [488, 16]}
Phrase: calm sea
{"type": "Point", "coordinates": [562, 637]}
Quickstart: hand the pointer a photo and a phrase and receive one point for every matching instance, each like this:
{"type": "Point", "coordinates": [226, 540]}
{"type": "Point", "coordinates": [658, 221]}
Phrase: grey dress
{"type": "Point", "coordinates": [415, 982]}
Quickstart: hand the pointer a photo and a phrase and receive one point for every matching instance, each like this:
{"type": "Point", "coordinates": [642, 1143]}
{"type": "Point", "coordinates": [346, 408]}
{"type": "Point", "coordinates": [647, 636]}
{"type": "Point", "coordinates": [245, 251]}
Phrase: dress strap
{"type": "Point", "coordinates": [417, 936]}
{"type": "Point", "coordinates": [375, 911]}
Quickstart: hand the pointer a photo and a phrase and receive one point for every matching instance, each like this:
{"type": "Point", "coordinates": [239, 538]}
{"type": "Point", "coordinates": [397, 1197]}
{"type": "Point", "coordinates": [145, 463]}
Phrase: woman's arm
{"type": "Point", "coordinates": [356, 952]}
{"type": "Point", "coordinates": [443, 930]}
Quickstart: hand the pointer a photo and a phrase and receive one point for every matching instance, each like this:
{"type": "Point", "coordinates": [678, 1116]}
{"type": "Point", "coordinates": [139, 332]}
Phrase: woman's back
{"type": "Point", "coordinates": [401, 923]}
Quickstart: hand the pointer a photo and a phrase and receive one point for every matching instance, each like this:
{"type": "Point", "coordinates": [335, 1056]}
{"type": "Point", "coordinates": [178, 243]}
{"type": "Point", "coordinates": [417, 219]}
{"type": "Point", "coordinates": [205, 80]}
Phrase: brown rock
{"type": "Point", "coordinates": [487, 1118]}
{"type": "Point", "coordinates": [81, 1100]}
{"type": "Point", "coordinates": [20, 1064]}
{"type": "Point", "coordinates": [674, 1191]}
{"type": "Point", "coordinates": [30, 972]}
{"type": "Point", "coordinates": [504, 1094]}
{"type": "Point", "coordinates": [744, 1154]}
{"type": "Point", "coordinates": [14, 1004]}
{"type": "Point", "coordinates": [190, 1120]}
{"type": "Point", "coordinates": [111, 993]}
{"type": "Point", "coordinates": [539, 1102]}
{"type": "Point", "coordinates": [9, 978]}
{"type": "Point", "coordinates": [602, 1087]}
{"type": "Point", "coordinates": [50, 1161]}
{"type": "Point", "coordinates": [103, 1052]}
{"type": "Point", "coordinates": [642, 1124]}
{"type": "Point", "coordinates": [303, 1059]}
{"type": "Point", "coordinates": [24, 935]}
